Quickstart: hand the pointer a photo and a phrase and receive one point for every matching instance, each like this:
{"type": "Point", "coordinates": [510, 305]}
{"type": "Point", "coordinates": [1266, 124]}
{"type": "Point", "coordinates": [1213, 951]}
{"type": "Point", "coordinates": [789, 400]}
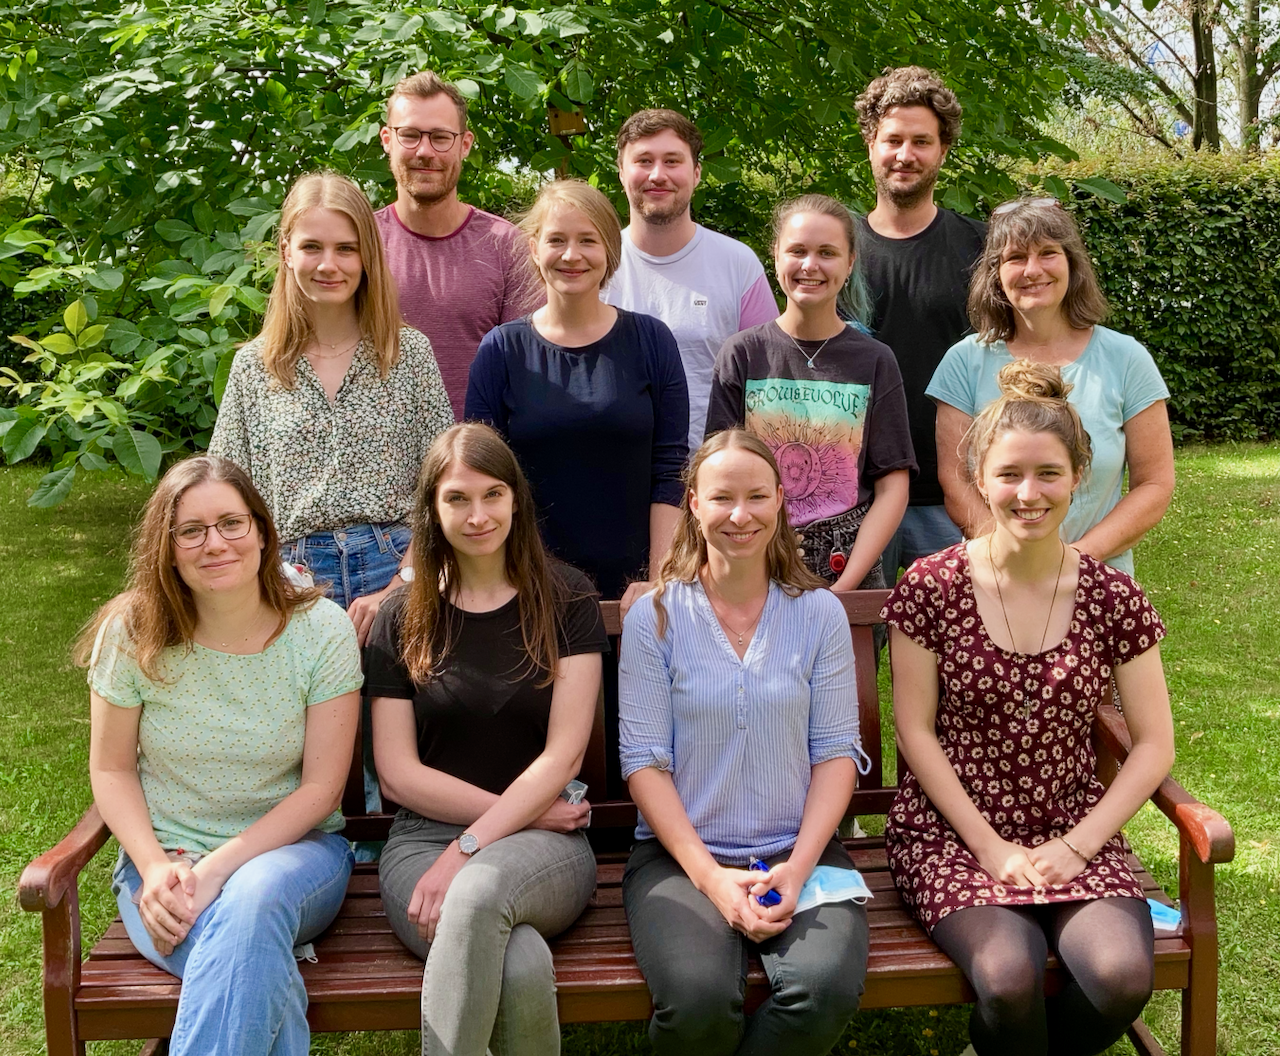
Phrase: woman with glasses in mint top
{"type": "Point", "coordinates": [223, 709]}
{"type": "Point", "coordinates": [1034, 296]}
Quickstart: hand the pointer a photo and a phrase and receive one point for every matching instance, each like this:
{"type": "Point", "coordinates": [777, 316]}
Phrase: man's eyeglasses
{"type": "Point", "coordinates": [441, 139]}
{"type": "Point", "coordinates": [233, 526]}
{"type": "Point", "coordinates": [1029, 203]}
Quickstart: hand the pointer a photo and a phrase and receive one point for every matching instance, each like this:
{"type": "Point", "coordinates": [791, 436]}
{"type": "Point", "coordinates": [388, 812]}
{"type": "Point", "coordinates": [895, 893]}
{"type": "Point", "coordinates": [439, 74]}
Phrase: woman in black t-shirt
{"type": "Point", "coordinates": [825, 397]}
{"type": "Point", "coordinates": [484, 673]}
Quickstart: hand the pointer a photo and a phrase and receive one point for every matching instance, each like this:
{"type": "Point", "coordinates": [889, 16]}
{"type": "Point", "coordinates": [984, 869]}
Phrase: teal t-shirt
{"type": "Point", "coordinates": [1113, 379]}
{"type": "Point", "coordinates": [220, 739]}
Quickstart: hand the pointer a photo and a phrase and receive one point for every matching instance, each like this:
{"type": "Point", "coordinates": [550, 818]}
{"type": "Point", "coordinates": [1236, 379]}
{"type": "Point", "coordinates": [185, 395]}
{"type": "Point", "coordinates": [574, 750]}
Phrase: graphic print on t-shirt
{"type": "Point", "coordinates": [814, 429]}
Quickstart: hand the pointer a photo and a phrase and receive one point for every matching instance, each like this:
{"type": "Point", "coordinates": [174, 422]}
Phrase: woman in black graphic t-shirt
{"type": "Point", "coordinates": [484, 673]}
{"type": "Point", "coordinates": [825, 397]}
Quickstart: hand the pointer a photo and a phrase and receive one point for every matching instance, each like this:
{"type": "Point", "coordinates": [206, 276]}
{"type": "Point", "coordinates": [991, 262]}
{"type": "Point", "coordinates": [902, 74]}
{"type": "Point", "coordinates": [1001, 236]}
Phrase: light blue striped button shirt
{"type": "Point", "coordinates": [739, 736]}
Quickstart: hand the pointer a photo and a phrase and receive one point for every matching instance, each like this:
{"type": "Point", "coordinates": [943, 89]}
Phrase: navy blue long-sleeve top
{"type": "Point", "coordinates": [601, 431]}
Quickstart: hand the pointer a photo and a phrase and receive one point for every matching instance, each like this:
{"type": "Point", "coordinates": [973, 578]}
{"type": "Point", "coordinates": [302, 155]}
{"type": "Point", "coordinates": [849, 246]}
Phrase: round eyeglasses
{"type": "Point", "coordinates": [441, 139]}
{"type": "Point", "coordinates": [193, 534]}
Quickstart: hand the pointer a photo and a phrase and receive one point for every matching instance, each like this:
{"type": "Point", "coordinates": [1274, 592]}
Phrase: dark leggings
{"type": "Point", "coordinates": [1105, 947]}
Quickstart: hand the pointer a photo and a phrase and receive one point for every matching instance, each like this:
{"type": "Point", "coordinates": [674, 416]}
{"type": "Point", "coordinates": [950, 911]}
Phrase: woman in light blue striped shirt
{"type": "Point", "coordinates": [739, 735]}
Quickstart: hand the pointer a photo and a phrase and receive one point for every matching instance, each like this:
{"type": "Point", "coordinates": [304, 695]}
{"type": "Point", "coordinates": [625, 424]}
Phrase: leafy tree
{"type": "Point", "coordinates": [165, 133]}
{"type": "Point", "coordinates": [1208, 64]}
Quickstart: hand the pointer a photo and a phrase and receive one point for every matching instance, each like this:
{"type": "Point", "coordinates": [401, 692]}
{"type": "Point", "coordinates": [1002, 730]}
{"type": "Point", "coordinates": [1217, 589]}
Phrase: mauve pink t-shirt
{"type": "Point", "coordinates": [457, 288]}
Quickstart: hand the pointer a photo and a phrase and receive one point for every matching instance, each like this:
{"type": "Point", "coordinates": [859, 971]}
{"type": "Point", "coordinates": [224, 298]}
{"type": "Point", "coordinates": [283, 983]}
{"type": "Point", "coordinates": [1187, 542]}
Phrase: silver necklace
{"type": "Point", "coordinates": [725, 623]}
{"type": "Point", "coordinates": [809, 358]}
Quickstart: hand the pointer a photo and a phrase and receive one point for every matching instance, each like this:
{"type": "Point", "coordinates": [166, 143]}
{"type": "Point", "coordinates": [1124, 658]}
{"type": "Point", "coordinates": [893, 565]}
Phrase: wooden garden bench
{"type": "Point", "coordinates": [364, 979]}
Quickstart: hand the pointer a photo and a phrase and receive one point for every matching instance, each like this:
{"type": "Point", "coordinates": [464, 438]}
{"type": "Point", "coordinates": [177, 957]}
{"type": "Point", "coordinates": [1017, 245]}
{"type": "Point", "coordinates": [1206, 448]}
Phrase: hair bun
{"type": "Point", "coordinates": [1024, 380]}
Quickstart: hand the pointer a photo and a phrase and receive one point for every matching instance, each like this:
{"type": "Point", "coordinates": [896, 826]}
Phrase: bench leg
{"type": "Point", "coordinates": [1144, 1041]}
{"type": "Point", "coordinates": [61, 936]}
{"type": "Point", "coordinates": [1200, 999]}
{"type": "Point", "coordinates": [155, 1047]}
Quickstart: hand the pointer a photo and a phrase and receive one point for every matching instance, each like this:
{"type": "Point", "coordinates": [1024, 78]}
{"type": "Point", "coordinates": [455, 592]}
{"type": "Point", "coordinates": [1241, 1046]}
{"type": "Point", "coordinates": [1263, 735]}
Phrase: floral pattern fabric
{"type": "Point", "coordinates": [322, 466]}
{"type": "Point", "coordinates": [1017, 729]}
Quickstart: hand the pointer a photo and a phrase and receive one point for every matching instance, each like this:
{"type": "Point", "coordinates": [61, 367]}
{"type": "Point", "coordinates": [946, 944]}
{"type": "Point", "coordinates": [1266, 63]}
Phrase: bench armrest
{"type": "Point", "coordinates": [1207, 831]}
{"type": "Point", "coordinates": [46, 880]}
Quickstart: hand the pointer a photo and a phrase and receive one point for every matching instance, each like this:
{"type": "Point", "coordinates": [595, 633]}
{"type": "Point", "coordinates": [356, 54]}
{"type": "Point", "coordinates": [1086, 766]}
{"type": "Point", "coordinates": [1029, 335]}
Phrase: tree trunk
{"type": "Point", "coordinates": [1249, 78]}
{"type": "Point", "coordinates": [1204, 79]}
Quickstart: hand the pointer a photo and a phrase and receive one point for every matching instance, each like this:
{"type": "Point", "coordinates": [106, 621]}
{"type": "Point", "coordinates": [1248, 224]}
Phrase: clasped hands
{"type": "Point", "coordinates": [173, 896]}
{"type": "Point", "coordinates": [1052, 862]}
{"type": "Point", "coordinates": [433, 885]}
{"type": "Point", "coordinates": [733, 892]}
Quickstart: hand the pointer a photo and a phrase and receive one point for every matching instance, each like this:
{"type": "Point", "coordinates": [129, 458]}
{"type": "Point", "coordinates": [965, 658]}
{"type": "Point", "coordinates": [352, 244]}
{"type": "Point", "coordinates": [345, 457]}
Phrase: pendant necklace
{"type": "Point", "coordinates": [725, 623]}
{"type": "Point", "coordinates": [809, 358]}
{"type": "Point", "coordinates": [335, 355]}
{"type": "Point", "coordinates": [1025, 711]}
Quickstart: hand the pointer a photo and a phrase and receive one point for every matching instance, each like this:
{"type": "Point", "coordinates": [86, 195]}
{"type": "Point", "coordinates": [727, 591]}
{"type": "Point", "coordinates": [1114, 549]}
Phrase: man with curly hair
{"type": "Point", "coordinates": [916, 258]}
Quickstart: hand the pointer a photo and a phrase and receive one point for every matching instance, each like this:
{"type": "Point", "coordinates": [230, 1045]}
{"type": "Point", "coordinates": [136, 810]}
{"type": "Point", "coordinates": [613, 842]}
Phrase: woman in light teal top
{"type": "Point", "coordinates": [1034, 296]}
{"type": "Point", "coordinates": [223, 713]}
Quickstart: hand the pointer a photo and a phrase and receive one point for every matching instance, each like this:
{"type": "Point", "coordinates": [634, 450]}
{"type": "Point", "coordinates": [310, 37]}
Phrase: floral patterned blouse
{"type": "Point", "coordinates": [322, 466]}
{"type": "Point", "coordinates": [1016, 728]}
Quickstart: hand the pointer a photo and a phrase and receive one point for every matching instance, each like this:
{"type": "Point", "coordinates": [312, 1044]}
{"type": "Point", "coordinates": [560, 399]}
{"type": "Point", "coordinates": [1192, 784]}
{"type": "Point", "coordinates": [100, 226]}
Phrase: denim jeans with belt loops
{"type": "Point", "coordinates": [349, 563]}
{"type": "Point", "coordinates": [242, 994]}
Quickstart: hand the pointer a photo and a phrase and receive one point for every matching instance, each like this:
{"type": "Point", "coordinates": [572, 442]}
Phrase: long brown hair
{"type": "Point", "coordinates": [1033, 399]}
{"type": "Point", "coordinates": [1032, 221]}
{"type": "Point", "coordinates": [688, 551]}
{"type": "Point", "coordinates": [427, 631]}
{"type": "Point", "coordinates": [286, 328]}
{"type": "Point", "coordinates": [157, 606]}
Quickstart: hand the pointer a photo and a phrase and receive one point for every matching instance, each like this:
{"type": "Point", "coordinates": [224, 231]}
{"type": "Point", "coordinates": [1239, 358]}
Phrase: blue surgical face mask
{"type": "Point", "coordinates": [830, 884]}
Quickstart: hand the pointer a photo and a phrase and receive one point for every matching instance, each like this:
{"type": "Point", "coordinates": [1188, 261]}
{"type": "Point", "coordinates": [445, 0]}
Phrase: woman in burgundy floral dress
{"type": "Point", "coordinates": [1002, 841]}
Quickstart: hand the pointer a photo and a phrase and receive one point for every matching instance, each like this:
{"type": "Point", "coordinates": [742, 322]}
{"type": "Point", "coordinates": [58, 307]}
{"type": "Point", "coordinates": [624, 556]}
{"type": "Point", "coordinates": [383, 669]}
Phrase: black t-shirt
{"type": "Point", "coordinates": [919, 288]}
{"type": "Point", "coordinates": [833, 427]}
{"type": "Point", "coordinates": [483, 719]}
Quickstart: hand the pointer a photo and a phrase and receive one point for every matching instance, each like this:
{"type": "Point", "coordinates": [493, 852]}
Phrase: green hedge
{"type": "Point", "coordinates": [1191, 264]}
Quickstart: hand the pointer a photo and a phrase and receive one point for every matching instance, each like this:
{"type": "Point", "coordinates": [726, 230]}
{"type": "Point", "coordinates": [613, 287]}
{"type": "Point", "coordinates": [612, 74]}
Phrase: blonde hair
{"type": "Point", "coordinates": [688, 551]}
{"type": "Point", "coordinates": [580, 195]}
{"type": "Point", "coordinates": [157, 606]}
{"type": "Point", "coordinates": [1033, 399]}
{"type": "Point", "coordinates": [1027, 224]}
{"type": "Point", "coordinates": [286, 328]}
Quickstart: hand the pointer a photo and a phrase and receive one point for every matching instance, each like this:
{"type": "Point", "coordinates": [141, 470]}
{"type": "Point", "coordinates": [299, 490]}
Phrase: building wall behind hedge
{"type": "Point", "coordinates": [1191, 265]}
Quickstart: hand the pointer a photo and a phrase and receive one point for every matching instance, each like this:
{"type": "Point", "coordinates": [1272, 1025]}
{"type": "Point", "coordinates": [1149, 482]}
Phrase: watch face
{"type": "Point", "coordinates": [468, 844]}
{"type": "Point", "coordinates": [406, 574]}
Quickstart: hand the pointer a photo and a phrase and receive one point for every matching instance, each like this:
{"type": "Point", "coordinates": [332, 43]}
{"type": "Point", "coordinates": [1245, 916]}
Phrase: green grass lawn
{"type": "Point", "coordinates": [1213, 571]}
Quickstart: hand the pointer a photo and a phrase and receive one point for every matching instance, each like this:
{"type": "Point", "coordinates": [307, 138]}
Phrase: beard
{"type": "Point", "coordinates": [659, 214]}
{"type": "Point", "coordinates": [441, 184]}
{"type": "Point", "coordinates": [905, 197]}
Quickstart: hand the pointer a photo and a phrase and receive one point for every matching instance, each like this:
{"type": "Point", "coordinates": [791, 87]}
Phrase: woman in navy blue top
{"type": "Point", "coordinates": [591, 398]}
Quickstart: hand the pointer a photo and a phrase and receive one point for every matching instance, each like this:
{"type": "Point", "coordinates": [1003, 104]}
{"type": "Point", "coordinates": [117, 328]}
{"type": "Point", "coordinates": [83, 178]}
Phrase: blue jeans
{"type": "Point", "coordinates": [242, 994]}
{"type": "Point", "coordinates": [924, 530]}
{"type": "Point", "coordinates": [353, 561]}
{"type": "Point", "coordinates": [350, 563]}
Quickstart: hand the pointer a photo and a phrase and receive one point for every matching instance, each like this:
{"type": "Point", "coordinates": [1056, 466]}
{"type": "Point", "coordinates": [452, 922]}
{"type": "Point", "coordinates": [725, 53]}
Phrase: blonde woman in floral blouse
{"type": "Point", "coordinates": [333, 406]}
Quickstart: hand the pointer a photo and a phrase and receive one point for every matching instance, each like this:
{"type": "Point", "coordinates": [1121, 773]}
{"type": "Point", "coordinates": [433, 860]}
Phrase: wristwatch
{"type": "Point", "coordinates": [405, 572]}
{"type": "Point", "coordinates": [468, 844]}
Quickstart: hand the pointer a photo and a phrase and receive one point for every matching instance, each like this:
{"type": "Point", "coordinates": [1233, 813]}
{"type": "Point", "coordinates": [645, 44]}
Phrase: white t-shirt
{"type": "Point", "coordinates": [1112, 380]}
{"type": "Point", "coordinates": [706, 292]}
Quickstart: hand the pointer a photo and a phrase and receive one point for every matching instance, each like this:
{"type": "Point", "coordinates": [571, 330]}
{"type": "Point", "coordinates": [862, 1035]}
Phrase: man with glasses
{"type": "Point", "coordinates": [917, 259]}
{"type": "Point", "coordinates": [460, 271]}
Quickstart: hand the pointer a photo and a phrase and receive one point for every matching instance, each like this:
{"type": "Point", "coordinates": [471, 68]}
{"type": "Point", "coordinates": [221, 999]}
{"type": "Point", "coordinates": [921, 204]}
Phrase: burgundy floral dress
{"type": "Point", "coordinates": [1016, 727]}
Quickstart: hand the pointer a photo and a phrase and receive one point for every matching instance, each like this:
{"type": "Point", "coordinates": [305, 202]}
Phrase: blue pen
{"type": "Point", "coordinates": [770, 897]}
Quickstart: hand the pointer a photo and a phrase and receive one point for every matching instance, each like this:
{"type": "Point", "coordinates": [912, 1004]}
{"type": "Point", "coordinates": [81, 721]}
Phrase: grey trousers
{"type": "Point", "coordinates": [489, 981]}
{"type": "Point", "coordinates": [696, 966]}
